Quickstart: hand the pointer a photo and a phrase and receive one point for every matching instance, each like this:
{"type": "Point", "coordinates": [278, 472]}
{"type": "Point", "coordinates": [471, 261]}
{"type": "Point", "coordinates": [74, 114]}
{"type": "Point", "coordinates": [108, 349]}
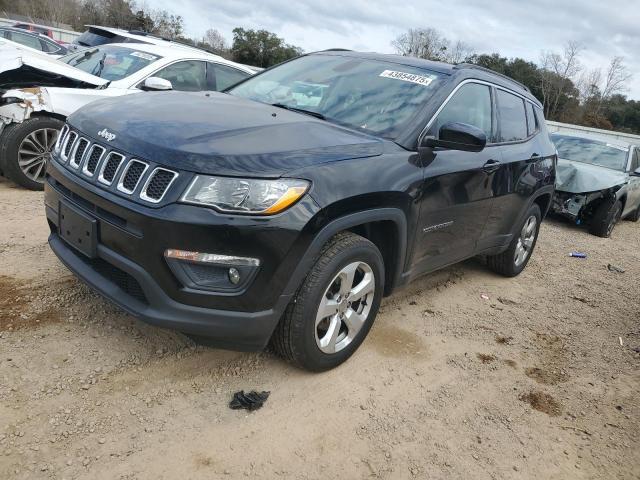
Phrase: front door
{"type": "Point", "coordinates": [456, 195]}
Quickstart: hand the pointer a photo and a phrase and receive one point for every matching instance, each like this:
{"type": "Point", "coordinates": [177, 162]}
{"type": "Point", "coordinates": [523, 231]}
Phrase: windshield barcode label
{"type": "Point", "coordinates": [407, 77]}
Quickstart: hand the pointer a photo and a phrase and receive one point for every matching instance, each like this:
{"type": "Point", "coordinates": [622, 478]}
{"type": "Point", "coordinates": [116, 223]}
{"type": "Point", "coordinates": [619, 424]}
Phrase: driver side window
{"type": "Point", "coordinates": [471, 104]}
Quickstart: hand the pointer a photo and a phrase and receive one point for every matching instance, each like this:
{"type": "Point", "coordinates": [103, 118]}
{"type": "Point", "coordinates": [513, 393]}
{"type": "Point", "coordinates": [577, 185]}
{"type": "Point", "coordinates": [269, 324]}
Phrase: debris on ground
{"type": "Point", "coordinates": [484, 296]}
{"type": "Point", "coordinates": [248, 401]}
{"type": "Point", "coordinates": [578, 255]}
{"type": "Point", "coordinates": [613, 268]}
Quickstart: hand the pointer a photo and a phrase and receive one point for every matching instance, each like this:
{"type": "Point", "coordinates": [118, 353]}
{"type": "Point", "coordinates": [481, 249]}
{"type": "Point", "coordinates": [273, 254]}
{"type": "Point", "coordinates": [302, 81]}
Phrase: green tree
{"type": "Point", "coordinates": [261, 48]}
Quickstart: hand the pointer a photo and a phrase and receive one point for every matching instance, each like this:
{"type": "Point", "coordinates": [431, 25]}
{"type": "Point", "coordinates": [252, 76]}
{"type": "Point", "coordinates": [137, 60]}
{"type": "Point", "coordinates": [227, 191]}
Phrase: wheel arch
{"type": "Point", "coordinates": [375, 225]}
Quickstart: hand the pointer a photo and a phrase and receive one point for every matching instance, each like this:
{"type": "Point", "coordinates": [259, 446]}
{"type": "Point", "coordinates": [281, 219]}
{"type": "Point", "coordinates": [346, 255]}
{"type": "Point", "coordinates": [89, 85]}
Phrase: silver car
{"type": "Point", "coordinates": [597, 181]}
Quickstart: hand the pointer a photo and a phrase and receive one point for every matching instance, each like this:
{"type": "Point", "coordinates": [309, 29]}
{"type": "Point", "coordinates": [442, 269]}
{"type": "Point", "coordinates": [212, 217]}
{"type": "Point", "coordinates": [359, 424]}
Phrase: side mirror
{"type": "Point", "coordinates": [458, 136]}
{"type": "Point", "coordinates": [156, 83]}
{"type": "Point", "coordinates": [636, 172]}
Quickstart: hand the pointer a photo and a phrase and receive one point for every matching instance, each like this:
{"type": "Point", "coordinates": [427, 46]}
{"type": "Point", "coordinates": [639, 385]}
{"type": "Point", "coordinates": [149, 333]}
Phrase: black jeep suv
{"type": "Point", "coordinates": [287, 207]}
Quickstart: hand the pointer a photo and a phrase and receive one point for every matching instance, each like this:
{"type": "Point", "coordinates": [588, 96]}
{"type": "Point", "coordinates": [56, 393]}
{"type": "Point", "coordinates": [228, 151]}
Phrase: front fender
{"type": "Point", "coordinates": [345, 222]}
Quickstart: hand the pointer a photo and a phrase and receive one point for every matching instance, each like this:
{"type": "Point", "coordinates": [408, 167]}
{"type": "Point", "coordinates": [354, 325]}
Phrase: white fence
{"type": "Point", "coordinates": [58, 33]}
{"type": "Point", "coordinates": [605, 134]}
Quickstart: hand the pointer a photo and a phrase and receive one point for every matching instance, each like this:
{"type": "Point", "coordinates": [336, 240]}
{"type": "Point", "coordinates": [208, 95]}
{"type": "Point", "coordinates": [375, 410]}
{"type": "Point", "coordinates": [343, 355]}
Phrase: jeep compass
{"type": "Point", "coordinates": [285, 208]}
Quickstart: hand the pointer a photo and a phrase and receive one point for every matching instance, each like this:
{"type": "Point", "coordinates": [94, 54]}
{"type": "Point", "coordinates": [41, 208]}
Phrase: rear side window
{"type": "Point", "coordinates": [26, 40]}
{"type": "Point", "coordinates": [513, 120]}
{"type": "Point", "coordinates": [223, 77]}
{"type": "Point", "coordinates": [532, 121]}
{"type": "Point", "coordinates": [471, 104]}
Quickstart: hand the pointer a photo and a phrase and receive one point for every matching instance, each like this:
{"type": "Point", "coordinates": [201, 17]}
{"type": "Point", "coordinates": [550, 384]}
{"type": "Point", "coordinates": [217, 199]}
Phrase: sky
{"type": "Point", "coordinates": [512, 28]}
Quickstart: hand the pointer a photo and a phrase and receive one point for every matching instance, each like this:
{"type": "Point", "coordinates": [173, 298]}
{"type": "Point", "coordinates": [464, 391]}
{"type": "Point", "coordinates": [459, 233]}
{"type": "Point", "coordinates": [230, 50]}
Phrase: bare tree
{"type": "Point", "coordinates": [215, 40]}
{"type": "Point", "coordinates": [430, 44]}
{"type": "Point", "coordinates": [556, 69]}
{"type": "Point", "coordinates": [459, 52]}
{"type": "Point", "coordinates": [600, 89]}
{"type": "Point", "coordinates": [425, 43]}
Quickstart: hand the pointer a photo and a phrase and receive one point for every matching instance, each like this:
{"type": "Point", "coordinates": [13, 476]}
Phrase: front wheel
{"type": "Point", "coordinates": [605, 218]}
{"type": "Point", "coordinates": [335, 307]}
{"type": "Point", "coordinates": [26, 147]}
{"type": "Point", "coordinates": [513, 260]}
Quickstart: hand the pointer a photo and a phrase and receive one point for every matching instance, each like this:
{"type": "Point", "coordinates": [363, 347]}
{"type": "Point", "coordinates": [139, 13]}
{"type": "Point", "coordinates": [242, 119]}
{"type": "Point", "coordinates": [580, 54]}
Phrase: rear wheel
{"type": "Point", "coordinates": [605, 218]}
{"type": "Point", "coordinates": [26, 147]}
{"type": "Point", "coordinates": [513, 260]}
{"type": "Point", "coordinates": [635, 216]}
{"type": "Point", "coordinates": [335, 307]}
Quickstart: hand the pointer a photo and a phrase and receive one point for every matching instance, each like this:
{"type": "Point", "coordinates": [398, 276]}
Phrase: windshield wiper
{"type": "Point", "coordinates": [299, 110]}
{"type": "Point", "coordinates": [100, 66]}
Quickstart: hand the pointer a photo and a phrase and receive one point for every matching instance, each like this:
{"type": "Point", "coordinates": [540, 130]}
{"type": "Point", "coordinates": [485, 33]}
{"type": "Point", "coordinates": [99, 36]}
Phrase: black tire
{"type": "Point", "coordinates": [12, 137]}
{"type": "Point", "coordinates": [634, 216]}
{"type": "Point", "coordinates": [605, 218]}
{"type": "Point", "coordinates": [295, 336]}
{"type": "Point", "coordinates": [505, 263]}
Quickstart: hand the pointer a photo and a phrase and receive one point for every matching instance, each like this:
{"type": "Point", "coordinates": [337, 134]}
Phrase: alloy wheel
{"type": "Point", "coordinates": [525, 242]}
{"type": "Point", "coordinates": [34, 152]}
{"type": "Point", "coordinates": [344, 307]}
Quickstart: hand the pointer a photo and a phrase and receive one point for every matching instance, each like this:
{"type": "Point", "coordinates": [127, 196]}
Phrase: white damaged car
{"type": "Point", "coordinates": [37, 92]}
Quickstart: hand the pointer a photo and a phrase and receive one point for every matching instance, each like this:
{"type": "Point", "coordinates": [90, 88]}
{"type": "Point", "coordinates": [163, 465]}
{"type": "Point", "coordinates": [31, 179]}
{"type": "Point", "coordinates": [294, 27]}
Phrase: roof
{"type": "Point", "coordinates": [171, 51]}
{"type": "Point", "coordinates": [26, 32]}
{"type": "Point", "coordinates": [464, 70]}
{"type": "Point", "coordinates": [146, 38]}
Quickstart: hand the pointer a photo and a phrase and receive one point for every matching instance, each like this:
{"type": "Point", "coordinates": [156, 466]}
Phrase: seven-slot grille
{"type": "Point", "coordinates": [132, 175]}
{"type": "Point", "coordinates": [157, 184]}
{"type": "Point", "coordinates": [113, 168]}
{"type": "Point", "coordinates": [110, 168]}
{"type": "Point", "coordinates": [92, 160]}
{"type": "Point", "coordinates": [68, 143]}
{"type": "Point", "coordinates": [78, 153]}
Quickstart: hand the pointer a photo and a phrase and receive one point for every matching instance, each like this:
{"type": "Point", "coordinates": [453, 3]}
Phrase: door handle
{"type": "Point", "coordinates": [491, 166]}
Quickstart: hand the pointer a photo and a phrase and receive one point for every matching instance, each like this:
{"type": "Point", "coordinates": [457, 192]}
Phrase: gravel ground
{"type": "Point", "coordinates": [464, 375]}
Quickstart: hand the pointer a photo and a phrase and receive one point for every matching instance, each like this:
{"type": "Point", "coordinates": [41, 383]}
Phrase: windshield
{"type": "Point", "coordinates": [375, 96]}
{"type": "Point", "coordinates": [109, 61]}
{"type": "Point", "coordinates": [595, 152]}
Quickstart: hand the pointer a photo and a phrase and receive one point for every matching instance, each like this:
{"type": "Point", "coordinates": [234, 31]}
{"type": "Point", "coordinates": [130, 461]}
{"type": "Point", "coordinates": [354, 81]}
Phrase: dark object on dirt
{"type": "Point", "coordinates": [578, 255]}
{"type": "Point", "coordinates": [543, 402]}
{"type": "Point", "coordinates": [485, 358]}
{"type": "Point", "coordinates": [248, 401]}
{"type": "Point", "coordinates": [613, 268]}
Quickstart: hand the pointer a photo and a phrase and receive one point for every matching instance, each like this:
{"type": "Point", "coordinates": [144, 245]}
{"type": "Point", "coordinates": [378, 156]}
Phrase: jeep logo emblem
{"type": "Point", "coordinates": [106, 134]}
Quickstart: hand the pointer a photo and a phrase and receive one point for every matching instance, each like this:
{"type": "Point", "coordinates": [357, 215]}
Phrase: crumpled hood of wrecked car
{"type": "Point", "coordinates": [577, 177]}
{"type": "Point", "coordinates": [216, 133]}
{"type": "Point", "coordinates": [21, 68]}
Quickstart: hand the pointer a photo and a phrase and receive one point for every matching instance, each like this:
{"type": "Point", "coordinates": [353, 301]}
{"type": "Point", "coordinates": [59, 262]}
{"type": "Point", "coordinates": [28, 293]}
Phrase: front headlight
{"type": "Point", "coordinates": [241, 195]}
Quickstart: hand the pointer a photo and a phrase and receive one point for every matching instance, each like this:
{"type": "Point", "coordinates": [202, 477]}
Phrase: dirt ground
{"type": "Point", "coordinates": [540, 379]}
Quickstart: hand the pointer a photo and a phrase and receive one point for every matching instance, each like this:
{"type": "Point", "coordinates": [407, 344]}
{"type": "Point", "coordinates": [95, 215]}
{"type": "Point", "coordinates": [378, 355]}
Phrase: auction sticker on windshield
{"type": "Point", "coordinates": [146, 56]}
{"type": "Point", "coordinates": [408, 77]}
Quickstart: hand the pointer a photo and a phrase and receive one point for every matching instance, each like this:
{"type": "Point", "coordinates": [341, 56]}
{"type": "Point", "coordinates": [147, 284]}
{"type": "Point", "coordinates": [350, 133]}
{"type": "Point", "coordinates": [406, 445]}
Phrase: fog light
{"type": "Point", "coordinates": [199, 257]}
{"type": "Point", "coordinates": [234, 276]}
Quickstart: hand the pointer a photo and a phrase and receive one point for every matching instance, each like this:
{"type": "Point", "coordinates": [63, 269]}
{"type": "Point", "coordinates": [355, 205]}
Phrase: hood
{"type": "Point", "coordinates": [577, 177]}
{"type": "Point", "coordinates": [20, 68]}
{"type": "Point", "coordinates": [216, 133]}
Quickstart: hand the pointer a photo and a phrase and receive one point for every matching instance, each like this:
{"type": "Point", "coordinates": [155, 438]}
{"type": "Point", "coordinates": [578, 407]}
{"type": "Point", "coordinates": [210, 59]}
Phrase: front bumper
{"type": "Point", "coordinates": [130, 270]}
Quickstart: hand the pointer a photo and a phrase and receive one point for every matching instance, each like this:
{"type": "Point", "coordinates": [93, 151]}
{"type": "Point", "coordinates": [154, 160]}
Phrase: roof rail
{"type": "Point", "coordinates": [488, 70]}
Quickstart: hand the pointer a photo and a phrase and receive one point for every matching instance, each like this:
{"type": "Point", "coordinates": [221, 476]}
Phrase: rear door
{"type": "Point", "coordinates": [456, 195]}
{"type": "Point", "coordinates": [633, 194]}
{"type": "Point", "coordinates": [515, 181]}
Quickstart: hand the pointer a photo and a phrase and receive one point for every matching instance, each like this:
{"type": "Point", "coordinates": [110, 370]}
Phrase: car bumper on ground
{"type": "Point", "coordinates": [128, 266]}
